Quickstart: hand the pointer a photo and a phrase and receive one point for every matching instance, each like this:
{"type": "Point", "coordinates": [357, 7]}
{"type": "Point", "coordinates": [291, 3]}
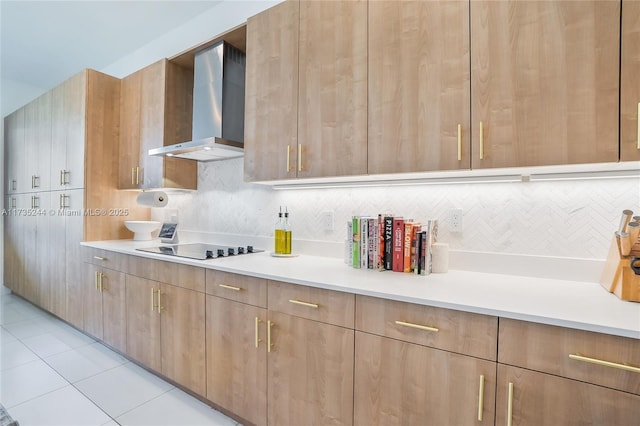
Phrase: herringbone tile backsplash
{"type": "Point", "coordinates": [565, 218]}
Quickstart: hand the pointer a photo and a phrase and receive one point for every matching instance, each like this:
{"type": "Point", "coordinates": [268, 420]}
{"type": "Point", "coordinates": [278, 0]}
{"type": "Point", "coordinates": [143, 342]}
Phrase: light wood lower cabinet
{"type": "Point", "coordinates": [543, 399]}
{"type": "Point", "coordinates": [104, 307]}
{"type": "Point", "coordinates": [237, 358]}
{"type": "Point", "coordinates": [310, 372]}
{"type": "Point", "coordinates": [166, 330]}
{"type": "Point", "coordinates": [400, 383]}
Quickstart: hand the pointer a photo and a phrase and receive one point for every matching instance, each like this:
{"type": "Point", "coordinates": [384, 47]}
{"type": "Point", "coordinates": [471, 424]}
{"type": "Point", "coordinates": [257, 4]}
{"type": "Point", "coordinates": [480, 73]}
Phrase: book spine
{"type": "Point", "coordinates": [356, 242]}
{"type": "Point", "coordinates": [408, 226]}
{"type": "Point", "coordinates": [364, 242]}
{"type": "Point", "coordinates": [372, 242]}
{"type": "Point", "coordinates": [388, 243]}
{"type": "Point", "coordinates": [380, 242]}
{"type": "Point", "coordinates": [414, 247]}
{"type": "Point", "coordinates": [398, 245]}
{"type": "Point", "coordinates": [348, 253]}
{"type": "Point", "coordinates": [423, 253]}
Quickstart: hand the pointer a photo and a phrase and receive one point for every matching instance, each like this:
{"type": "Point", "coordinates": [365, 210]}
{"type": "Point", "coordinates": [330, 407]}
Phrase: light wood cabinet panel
{"type": "Point", "coordinates": [398, 383]}
{"type": "Point", "coordinates": [58, 259]}
{"type": "Point", "coordinates": [182, 318]}
{"type": "Point", "coordinates": [185, 276]}
{"type": "Point", "coordinates": [310, 372]}
{"type": "Point", "coordinates": [143, 322]}
{"type": "Point", "coordinates": [37, 132]}
{"type": "Point", "coordinates": [547, 348]}
{"type": "Point", "coordinates": [156, 110]}
{"type": "Point", "coordinates": [332, 113]}
{"type": "Point", "coordinates": [58, 138]}
{"type": "Point", "coordinates": [543, 399]}
{"type": "Point", "coordinates": [457, 331]}
{"type": "Point", "coordinates": [92, 301]}
{"type": "Point", "coordinates": [544, 82]}
{"type": "Point", "coordinates": [333, 307]}
{"type": "Point", "coordinates": [419, 86]}
{"type": "Point", "coordinates": [15, 154]}
{"type": "Point", "coordinates": [236, 368]}
{"type": "Point", "coordinates": [43, 252]}
{"type": "Point", "coordinates": [271, 93]}
{"type": "Point", "coordinates": [74, 112]}
{"type": "Point", "coordinates": [13, 237]}
{"type": "Point", "coordinates": [630, 82]}
{"type": "Point", "coordinates": [74, 200]}
{"type": "Point", "coordinates": [250, 290]}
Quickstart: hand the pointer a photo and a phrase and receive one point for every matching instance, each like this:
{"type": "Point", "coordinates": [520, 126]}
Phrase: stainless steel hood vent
{"type": "Point", "coordinates": [218, 107]}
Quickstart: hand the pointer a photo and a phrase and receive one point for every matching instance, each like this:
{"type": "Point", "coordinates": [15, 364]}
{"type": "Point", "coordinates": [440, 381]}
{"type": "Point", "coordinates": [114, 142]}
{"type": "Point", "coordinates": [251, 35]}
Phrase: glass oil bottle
{"type": "Point", "coordinates": [279, 235]}
{"type": "Point", "coordinates": [286, 227]}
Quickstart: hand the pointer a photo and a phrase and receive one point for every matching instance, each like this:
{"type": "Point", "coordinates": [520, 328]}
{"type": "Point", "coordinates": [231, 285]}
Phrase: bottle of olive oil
{"type": "Point", "coordinates": [279, 237]}
{"type": "Point", "coordinates": [286, 228]}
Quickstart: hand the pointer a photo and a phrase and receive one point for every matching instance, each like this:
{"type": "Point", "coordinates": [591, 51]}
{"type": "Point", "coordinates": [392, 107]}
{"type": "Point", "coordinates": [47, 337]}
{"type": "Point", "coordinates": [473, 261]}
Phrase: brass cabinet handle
{"type": "Point", "coordinates": [310, 305]}
{"type": "Point", "coordinates": [481, 141]}
{"type": "Point", "coordinates": [481, 398]}
{"type": "Point", "coordinates": [459, 142]}
{"type": "Point", "coordinates": [133, 176]}
{"type": "Point", "coordinates": [100, 286]}
{"type": "Point", "coordinates": [299, 157]}
{"type": "Point", "coordinates": [99, 258]}
{"type": "Point", "coordinates": [510, 406]}
{"type": "Point", "coordinates": [160, 307]}
{"type": "Point", "coordinates": [137, 175]}
{"type": "Point", "coordinates": [269, 344]}
{"type": "Point", "coordinates": [96, 280]}
{"type": "Point", "coordinates": [288, 158]}
{"type": "Point", "coordinates": [617, 365]}
{"type": "Point", "coordinates": [230, 287]}
{"type": "Point", "coordinates": [153, 304]}
{"type": "Point", "coordinates": [418, 326]}
{"type": "Point", "coordinates": [638, 125]}
{"type": "Point", "coordinates": [258, 340]}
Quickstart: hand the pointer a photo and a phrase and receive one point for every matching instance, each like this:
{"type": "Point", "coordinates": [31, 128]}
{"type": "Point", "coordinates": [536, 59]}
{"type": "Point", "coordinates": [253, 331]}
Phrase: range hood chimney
{"type": "Point", "coordinates": [218, 107]}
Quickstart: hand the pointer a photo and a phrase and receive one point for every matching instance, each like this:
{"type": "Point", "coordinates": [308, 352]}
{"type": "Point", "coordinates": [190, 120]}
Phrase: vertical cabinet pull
{"type": "Point", "coordinates": [96, 280]}
{"type": "Point", "coordinates": [13, 202]}
{"type": "Point", "coordinates": [258, 340]}
{"type": "Point", "coordinates": [61, 177]}
{"type": "Point", "coordinates": [481, 398]}
{"type": "Point", "coordinates": [160, 307]}
{"type": "Point", "coordinates": [269, 344]}
{"type": "Point", "coordinates": [510, 406]}
{"type": "Point", "coordinates": [481, 141]}
{"type": "Point", "coordinates": [63, 201]}
{"type": "Point", "coordinates": [459, 142]}
{"type": "Point", "coordinates": [133, 176]}
{"type": "Point", "coordinates": [100, 286]}
{"type": "Point", "coordinates": [137, 175]}
{"type": "Point", "coordinates": [299, 157]}
{"type": "Point", "coordinates": [153, 302]}
{"type": "Point", "coordinates": [14, 185]}
{"type": "Point", "coordinates": [288, 158]}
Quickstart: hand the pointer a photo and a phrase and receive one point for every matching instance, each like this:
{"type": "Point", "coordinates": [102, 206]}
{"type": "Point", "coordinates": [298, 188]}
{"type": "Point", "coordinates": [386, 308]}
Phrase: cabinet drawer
{"type": "Point", "coordinates": [105, 258]}
{"type": "Point", "coordinates": [456, 331]}
{"type": "Point", "coordinates": [240, 288]}
{"type": "Point", "coordinates": [333, 307]}
{"type": "Point", "coordinates": [597, 358]}
{"type": "Point", "coordinates": [185, 276]}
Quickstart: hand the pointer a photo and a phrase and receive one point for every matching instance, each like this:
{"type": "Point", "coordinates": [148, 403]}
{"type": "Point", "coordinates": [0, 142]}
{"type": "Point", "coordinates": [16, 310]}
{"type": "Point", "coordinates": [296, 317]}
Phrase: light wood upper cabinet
{"type": "Point", "coordinates": [630, 82]}
{"type": "Point", "coordinates": [544, 82]}
{"type": "Point", "coordinates": [332, 110]}
{"type": "Point", "coordinates": [38, 143]}
{"type": "Point", "coordinates": [418, 86]}
{"type": "Point", "coordinates": [156, 110]}
{"type": "Point", "coordinates": [271, 93]}
{"type": "Point", "coordinates": [15, 153]}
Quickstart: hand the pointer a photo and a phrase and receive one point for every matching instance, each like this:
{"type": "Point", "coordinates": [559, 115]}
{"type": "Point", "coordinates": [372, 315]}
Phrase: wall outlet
{"type": "Point", "coordinates": [327, 221]}
{"type": "Point", "coordinates": [455, 220]}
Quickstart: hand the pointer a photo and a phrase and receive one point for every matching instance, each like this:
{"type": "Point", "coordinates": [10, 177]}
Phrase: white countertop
{"type": "Point", "coordinates": [574, 304]}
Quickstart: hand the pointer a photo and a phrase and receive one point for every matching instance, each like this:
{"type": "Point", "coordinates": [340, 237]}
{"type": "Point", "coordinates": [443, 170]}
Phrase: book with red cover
{"type": "Point", "coordinates": [398, 244]}
{"type": "Point", "coordinates": [408, 227]}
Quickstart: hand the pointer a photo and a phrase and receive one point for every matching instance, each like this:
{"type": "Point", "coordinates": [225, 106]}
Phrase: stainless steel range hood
{"type": "Point", "coordinates": [218, 107]}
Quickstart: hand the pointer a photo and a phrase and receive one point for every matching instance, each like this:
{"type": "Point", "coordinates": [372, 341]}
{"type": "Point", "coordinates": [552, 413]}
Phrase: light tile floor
{"type": "Point", "coordinates": [51, 374]}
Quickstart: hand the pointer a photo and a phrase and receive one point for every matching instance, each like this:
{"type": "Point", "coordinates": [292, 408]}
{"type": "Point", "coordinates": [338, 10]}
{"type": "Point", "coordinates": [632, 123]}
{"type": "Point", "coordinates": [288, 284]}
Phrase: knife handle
{"type": "Point", "coordinates": [624, 220]}
{"type": "Point", "coordinates": [625, 244]}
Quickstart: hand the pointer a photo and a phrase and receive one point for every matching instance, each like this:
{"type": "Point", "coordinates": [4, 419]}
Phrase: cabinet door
{"type": "Point", "coordinates": [143, 321]}
{"type": "Point", "coordinates": [419, 86]}
{"type": "Point", "coordinates": [92, 301]}
{"type": "Point", "coordinates": [15, 152]}
{"type": "Point", "coordinates": [41, 159]}
{"type": "Point", "coordinates": [74, 119]}
{"type": "Point", "coordinates": [332, 113]}
{"type": "Point", "coordinates": [237, 358]}
{"type": "Point", "coordinates": [58, 138]}
{"type": "Point", "coordinates": [542, 399]}
{"type": "Point", "coordinates": [31, 146]}
{"type": "Point", "coordinates": [31, 279]}
{"type": "Point", "coordinates": [271, 93]}
{"type": "Point", "coordinates": [71, 205]}
{"type": "Point", "coordinates": [57, 257]}
{"type": "Point", "coordinates": [183, 337]}
{"type": "Point", "coordinates": [13, 244]}
{"type": "Point", "coordinates": [129, 153]}
{"type": "Point", "coordinates": [544, 82]}
{"type": "Point", "coordinates": [310, 372]}
{"type": "Point", "coordinates": [630, 82]}
{"type": "Point", "coordinates": [399, 383]}
{"type": "Point", "coordinates": [44, 248]}
{"type": "Point", "coordinates": [114, 313]}
{"type": "Point", "coordinates": [152, 109]}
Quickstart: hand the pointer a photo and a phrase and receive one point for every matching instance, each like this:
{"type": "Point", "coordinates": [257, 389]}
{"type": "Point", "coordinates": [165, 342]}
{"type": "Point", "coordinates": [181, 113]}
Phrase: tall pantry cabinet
{"type": "Point", "coordinates": [62, 152]}
{"type": "Point", "coordinates": [629, 82]}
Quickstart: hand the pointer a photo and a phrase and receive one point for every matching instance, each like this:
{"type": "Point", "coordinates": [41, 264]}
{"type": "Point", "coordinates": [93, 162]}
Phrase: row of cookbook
{"type": "Point", "coordinates": [391, 243]}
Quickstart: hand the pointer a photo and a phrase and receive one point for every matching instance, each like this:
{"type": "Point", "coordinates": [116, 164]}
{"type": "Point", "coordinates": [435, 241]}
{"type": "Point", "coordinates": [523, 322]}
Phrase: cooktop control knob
{"type": "Point", "coordinates": [231, 251]}
{"type": "Point", "coordinates": [249, 249]}
{"type": "Point", "coordinates": [209, 254]}
{"type": "Point", "coordinates": [220, 252]}
{"type": "Point", "coordinates": [240, 250]}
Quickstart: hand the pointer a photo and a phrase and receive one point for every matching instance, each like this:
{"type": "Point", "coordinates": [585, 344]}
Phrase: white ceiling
{"type": "Point", "coordinates": [45, 42]}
